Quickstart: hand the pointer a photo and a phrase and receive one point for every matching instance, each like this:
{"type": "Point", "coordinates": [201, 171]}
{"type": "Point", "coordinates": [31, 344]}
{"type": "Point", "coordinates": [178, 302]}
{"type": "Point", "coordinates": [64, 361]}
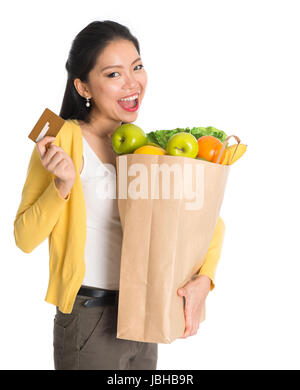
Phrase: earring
{"type": "Point", "coordinates": [87, 102]}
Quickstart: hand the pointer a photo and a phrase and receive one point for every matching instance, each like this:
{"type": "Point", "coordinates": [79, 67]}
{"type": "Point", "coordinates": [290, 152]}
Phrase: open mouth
{"type": "Point", "coordinates": [129, 105]}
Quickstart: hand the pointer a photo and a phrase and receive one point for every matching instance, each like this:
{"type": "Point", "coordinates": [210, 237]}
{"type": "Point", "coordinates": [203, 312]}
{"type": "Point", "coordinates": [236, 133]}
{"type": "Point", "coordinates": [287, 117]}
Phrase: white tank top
{"type": "Point", "coordinates": [104, 230]}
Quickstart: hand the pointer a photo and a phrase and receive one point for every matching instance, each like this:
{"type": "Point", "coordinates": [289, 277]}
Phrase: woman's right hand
{"type": "Point", "coordinates": [56, 161]}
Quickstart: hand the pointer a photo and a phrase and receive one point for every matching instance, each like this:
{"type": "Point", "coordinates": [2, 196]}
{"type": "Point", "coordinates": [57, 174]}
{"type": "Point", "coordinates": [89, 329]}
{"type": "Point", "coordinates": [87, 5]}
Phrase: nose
{"type": "Point", "coordinates": [131, 83]}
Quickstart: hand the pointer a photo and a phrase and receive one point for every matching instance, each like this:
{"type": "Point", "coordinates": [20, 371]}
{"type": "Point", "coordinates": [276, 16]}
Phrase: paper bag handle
{"type": "Point", "coordinates": [224, 145]}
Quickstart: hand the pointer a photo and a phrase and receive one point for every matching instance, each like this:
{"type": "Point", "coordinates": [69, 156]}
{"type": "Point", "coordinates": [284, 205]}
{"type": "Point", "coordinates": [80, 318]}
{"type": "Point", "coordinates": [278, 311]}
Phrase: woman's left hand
{"type": "Point", "coordinates": [195, 293]}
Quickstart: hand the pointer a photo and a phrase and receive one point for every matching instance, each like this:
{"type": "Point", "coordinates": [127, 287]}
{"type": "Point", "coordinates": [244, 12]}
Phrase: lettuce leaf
{"type": "Point", "coordinates": [161, 137]}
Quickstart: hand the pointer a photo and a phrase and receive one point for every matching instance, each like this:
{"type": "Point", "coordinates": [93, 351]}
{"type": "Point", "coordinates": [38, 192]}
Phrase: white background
{"type": "Point", "coordinates": [229, 64]}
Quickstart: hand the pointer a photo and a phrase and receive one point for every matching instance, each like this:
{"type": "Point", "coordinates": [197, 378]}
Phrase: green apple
{"type": "Point", "coordinates": [127, 138]}
{"type": "Point", "coordinates": [182, 144]}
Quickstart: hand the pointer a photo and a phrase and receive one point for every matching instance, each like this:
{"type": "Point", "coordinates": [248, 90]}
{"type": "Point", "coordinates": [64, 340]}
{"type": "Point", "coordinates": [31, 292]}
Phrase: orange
{"type": "Point", "coordinates": [209, 147]}
{"type": "Point", "coordinates": [149, 149]}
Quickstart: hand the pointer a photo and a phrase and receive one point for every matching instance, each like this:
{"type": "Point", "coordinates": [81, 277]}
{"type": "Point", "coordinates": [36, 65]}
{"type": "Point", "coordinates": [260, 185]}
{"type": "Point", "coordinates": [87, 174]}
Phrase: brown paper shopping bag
{"type": "Point", "coordinates": [169, 207]}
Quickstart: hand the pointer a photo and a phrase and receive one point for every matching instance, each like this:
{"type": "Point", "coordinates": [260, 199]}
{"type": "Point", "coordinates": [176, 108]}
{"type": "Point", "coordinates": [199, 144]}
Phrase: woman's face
{"type": "Point", "coordinates": [118, 73]}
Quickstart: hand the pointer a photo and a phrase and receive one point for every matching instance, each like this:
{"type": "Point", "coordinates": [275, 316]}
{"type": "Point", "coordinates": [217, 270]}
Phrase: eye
{"type": "Point", "coordinates": [110, 75]}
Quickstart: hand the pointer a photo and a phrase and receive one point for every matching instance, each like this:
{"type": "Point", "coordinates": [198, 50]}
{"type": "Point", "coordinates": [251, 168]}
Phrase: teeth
{"type": "Point", "coordinates": [130, 98]}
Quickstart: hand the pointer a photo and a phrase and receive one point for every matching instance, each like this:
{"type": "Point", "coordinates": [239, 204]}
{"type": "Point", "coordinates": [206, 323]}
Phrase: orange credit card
{"type": "Point", "coordinates": [48, 124]}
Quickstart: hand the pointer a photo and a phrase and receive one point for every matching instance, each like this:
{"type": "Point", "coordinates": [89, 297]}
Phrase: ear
{"type": "Point", "coordinates": [81, 88]}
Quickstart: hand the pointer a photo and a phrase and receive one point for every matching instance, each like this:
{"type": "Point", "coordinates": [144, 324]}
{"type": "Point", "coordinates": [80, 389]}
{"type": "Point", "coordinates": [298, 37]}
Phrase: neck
{"type": "Point", "coordinates": [102, 127]}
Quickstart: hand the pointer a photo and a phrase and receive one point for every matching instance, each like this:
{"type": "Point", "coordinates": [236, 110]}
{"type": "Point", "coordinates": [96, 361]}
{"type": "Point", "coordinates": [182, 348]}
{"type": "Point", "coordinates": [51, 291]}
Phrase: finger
{"type": "Point", "coordinates": [61, 165]}
{"type": "Point", "coordinates": [43, 150]}
{"type": "Point", "coordinates": [45, 140]}
{"type": "Point", "coordinates": [180, 292]}
{"type": "Point", "coordinates": [194, 325]}
{"type": "Point", "coordinates": [50, 152]}
{"type": "Point", "coordinates": [41, 145]}
{"type": "Point", "coordinates": [184, 335]}
{"type": "Point", "coordinates": [193, 331]}
{"type": "Point", "coordinates": [56, 159]}
{"type": "Point", "coordinates": [186, 332]}
{"type": "Point", "coordinates": [48, 145]}
{"type": "Point", "coordinates": [188, 322]}
{"type": "Point", "coordinates": [196, 330]}
{"type": "Point", "coordinates": [54, 149]}
{"type": "Point", "coordinates": [187, 312]}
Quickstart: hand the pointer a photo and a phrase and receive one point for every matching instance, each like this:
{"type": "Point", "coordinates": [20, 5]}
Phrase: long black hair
{"type": "Point", "coordinates": [85, 49]}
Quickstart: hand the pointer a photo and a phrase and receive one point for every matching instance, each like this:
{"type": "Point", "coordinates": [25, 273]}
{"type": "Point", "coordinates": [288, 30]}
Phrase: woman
{"type": "Point", "coordinates": [63, 199]}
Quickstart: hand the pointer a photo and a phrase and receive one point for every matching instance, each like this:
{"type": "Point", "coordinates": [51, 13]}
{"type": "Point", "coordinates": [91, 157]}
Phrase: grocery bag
{"type": "Point", "coordinates": [168, 207]}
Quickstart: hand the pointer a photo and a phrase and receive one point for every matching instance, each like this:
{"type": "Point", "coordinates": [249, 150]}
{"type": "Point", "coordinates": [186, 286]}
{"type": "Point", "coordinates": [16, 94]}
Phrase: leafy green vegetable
{"type": "Point", "coordinates": [161, 137]}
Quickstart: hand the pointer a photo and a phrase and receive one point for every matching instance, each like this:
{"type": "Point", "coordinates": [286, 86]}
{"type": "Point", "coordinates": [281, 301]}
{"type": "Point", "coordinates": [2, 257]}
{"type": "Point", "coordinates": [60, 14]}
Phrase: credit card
{"type": "Point", "coordinates": [48, 124]}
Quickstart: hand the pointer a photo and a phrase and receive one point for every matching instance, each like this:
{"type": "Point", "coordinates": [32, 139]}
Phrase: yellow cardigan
{"type": "Point", "coordinates": [43, 213]}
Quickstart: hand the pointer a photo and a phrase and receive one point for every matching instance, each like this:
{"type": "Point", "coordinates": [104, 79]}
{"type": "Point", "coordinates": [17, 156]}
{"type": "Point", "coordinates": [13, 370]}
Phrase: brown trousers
{"type": "Point", "coordinates": [86, 340]}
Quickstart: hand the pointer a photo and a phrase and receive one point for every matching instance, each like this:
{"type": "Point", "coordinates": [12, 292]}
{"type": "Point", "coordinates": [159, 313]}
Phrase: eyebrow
{"type": "Point", "coordinates": [120, 66]}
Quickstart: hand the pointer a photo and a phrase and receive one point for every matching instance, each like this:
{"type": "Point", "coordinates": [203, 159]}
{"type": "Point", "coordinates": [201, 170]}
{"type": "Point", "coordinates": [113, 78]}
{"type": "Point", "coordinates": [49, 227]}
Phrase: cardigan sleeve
{"type": "Point", "coordinates": [40, 207]}
{"type": "Point", "coordinates": [212, 258]}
